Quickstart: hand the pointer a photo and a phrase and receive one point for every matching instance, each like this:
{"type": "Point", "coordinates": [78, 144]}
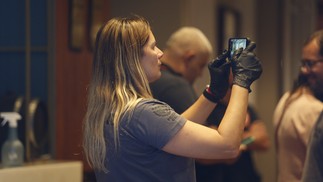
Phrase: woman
{"type": "Point", "coordinates": [129, 136]}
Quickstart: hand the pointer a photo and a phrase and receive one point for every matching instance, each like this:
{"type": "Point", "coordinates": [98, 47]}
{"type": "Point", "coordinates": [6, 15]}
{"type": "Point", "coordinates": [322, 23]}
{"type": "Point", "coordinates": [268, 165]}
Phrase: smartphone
{"type": "Point", "coordinates": [237, 43]}
{"type": "Point", "coordinates": [247, 141]}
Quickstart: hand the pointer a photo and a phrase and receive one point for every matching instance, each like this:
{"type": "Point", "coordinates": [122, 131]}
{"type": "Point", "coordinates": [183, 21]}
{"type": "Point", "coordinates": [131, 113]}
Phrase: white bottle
{"type": "Point", "coordinates": [12, 151]}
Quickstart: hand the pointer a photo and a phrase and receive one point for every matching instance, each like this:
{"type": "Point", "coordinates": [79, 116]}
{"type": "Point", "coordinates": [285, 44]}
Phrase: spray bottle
{"type": "Point", "coordinates": [12, 151]}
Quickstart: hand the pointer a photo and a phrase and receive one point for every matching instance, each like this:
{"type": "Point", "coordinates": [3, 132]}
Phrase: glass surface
{"type": "Point", "coordinates": [39, 76]}
{"type": "Point", "coordinates": [12, 73]}
{"type": "Point", "coordinates": [38, 21]}
{"type": "Point", "coordinates": [236, 43]}
{"type": "Point", "coordinates": [12, 31]}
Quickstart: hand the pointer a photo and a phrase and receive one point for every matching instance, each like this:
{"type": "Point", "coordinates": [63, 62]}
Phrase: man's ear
{"type": "Point", "coordinates": [188, 57]}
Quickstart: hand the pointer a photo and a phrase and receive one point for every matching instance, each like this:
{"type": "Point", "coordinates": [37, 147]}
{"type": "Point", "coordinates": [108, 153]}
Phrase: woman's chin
{"type": "Point", "coordinates": [155, 78]}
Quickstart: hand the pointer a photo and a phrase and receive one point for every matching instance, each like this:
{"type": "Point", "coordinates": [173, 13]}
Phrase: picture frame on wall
{"type": "Point", "coordinates": [229, 25]}
{"type": "Point", "coordinates": [76, 24]}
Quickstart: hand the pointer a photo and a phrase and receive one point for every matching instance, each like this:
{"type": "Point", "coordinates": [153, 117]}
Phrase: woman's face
{"type": "Point", "coordinates": [150, 61]}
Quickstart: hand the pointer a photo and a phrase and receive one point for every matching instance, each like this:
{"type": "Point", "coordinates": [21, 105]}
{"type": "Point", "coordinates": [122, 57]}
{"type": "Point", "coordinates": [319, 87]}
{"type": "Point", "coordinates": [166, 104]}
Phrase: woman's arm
{"type": "Point", "coordinates": [198, 141]}
{"type": "Point", "coordinates": [200, 110]}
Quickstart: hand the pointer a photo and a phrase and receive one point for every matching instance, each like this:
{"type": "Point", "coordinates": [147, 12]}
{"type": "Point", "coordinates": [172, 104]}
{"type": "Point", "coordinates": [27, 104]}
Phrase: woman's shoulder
{"type": "Point", "coordinates": [153, 105]}
{"type": "Point", "coordinates": [150, 102]}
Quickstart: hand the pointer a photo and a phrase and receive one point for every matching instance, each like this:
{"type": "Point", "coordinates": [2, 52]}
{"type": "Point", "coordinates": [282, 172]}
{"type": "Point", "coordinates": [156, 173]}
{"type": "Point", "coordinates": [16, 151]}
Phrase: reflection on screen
{"type": "Point", "coordinates": [236, 44]}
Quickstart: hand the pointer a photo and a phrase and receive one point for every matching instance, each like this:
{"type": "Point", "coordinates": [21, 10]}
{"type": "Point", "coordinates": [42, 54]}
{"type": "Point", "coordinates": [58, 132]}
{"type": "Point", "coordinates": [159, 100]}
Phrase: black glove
{"type": "Point", "coordinates": [246, 67]}
{"type": "Point", "coordinates": [219, 72]}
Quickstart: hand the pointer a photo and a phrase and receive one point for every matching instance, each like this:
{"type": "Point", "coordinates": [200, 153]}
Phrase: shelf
{"type": "Point", "coordinates": [53, 171]}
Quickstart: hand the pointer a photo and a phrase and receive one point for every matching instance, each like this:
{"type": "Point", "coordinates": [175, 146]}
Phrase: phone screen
{"type": "Point", "coordinates": [236, 43]}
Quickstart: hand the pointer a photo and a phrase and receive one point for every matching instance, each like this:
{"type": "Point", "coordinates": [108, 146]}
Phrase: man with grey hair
{"type": "Point", "coordinates": [186, 54]}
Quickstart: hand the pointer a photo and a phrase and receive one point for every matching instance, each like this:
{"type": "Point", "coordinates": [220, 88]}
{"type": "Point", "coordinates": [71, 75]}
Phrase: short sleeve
{"type": "Point", "coordinates": [154, 123]}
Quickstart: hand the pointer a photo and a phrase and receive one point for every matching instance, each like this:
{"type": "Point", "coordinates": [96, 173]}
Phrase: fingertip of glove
{"type": "Point", "coordinates": [251, 46]}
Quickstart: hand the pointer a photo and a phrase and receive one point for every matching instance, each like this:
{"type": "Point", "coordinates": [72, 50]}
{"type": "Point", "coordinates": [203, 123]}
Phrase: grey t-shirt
{"type": "Point", "coordinates": [139, 156]}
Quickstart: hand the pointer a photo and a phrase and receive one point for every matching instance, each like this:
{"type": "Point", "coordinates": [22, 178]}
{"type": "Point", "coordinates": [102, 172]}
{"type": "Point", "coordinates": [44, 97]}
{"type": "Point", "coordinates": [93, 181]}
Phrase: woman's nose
{"type": "Point", "coordinates": [160, 54]}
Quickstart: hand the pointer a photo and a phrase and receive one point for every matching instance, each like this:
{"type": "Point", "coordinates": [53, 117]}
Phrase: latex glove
{"type": "Point", "coordinates": [246, 67]}
{"type": "Point", "coordinates": [219, 70]}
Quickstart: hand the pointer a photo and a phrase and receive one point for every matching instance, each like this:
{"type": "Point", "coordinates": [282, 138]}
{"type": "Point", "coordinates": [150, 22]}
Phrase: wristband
{"type": "Point", "coordinates": [209, 95]}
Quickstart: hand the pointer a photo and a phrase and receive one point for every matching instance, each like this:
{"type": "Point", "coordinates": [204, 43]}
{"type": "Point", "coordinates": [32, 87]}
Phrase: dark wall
{"type": "Point", "coordinates": [72, 74]}
{"type": "Point", "coordinates": [164, 16]}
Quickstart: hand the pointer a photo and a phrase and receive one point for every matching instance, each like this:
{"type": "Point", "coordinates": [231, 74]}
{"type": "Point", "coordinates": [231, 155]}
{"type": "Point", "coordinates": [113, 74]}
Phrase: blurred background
{"type": "Point", "coordinates": [46, 55]}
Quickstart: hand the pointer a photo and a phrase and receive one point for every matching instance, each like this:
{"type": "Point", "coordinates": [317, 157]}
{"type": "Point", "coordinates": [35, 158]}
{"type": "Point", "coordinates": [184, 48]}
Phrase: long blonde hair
{"type": "Point", "coordinates": [118, 82]}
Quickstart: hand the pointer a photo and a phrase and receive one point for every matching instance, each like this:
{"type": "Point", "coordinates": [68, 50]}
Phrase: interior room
{"type": "Point", "coordinates": [46, 50]}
